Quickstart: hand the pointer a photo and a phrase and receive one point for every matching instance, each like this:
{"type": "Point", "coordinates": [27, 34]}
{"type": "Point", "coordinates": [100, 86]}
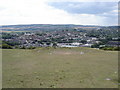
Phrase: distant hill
{"type": "Point", "coordinates": [48, 27]}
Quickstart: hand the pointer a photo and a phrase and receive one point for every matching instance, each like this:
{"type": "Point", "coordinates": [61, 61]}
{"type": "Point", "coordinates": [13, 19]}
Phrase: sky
{"type": "Point", "coordinates": [80, 12]}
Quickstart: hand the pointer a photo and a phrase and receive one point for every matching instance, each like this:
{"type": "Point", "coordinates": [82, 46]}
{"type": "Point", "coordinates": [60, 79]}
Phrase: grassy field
{"type": "Point", "coordinates": [60, 68]}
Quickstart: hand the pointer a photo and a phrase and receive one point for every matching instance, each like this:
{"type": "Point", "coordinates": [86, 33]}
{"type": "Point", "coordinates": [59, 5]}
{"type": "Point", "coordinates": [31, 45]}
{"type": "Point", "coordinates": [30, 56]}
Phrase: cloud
{"type": "Point", "coordinates": [105, 11]}
{"type": "Point", "coordinates": [40, 12]}
{"type": "Point", "coordinates": [83, 0]}
{"type": "Point", "coordinates": [84, 7]}
{"type": "Point", "coordinates": [33, 12]}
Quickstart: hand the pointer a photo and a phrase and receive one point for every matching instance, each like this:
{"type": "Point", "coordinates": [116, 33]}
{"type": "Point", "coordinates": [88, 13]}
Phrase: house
{"type": "Point", "coordinates": [86, 45]}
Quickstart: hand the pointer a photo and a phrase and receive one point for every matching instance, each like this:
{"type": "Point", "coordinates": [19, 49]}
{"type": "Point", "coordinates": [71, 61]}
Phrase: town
{"type": "Point", "coordinates": [94, 38]}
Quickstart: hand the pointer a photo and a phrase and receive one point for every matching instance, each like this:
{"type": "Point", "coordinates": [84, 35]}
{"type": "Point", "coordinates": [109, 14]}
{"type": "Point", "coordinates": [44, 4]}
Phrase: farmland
{"type": "Point", "coordinates": [59, 68]}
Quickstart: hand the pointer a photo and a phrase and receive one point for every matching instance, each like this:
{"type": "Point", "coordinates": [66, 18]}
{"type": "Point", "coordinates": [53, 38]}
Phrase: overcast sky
{"type": "Point", "coordinates": [89, 12]}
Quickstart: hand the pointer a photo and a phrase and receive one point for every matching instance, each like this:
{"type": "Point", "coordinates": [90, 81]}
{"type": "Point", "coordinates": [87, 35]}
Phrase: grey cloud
{"type": "Point", "coordinates": [85, 7]}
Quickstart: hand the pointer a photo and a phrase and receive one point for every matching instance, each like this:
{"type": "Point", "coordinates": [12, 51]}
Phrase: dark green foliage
{"type": "Point", "coordinates": [95, 46]}
{"type": "Point", "coordinates": [116, 48]}
{"type": "Point", "coordinates": [111, 48]}
{"type": "Point", "coordinates": [106, 32]}
{"type": "Point", "coordinates": [83, 41]}
{"type": "Point", "coordinates": [8, 35]}
{"type": "Point", "coordinates": [13, 43]}
{"type": "Point", "coordinates": [48, 43]}
{"type": "Point", "coordinates": [6, 46]}
{"type": "Point", "coordinates": [31, 47]}
{"type": "Point", "coordinates": [54, 45]}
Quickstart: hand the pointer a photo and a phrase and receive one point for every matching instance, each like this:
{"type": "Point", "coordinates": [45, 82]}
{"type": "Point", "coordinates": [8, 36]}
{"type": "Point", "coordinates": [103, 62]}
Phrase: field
{"type": "Point", "coordinates": [60, 68]}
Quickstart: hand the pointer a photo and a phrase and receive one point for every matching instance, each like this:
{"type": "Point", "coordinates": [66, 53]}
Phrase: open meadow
{"type": "Point", "coordinates": [59, 68]}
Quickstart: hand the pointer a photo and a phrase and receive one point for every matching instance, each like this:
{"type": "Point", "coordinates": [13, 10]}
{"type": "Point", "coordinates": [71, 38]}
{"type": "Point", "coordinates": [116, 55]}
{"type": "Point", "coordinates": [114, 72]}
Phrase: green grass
{"type": "Point", "coordinates": [60, 68]}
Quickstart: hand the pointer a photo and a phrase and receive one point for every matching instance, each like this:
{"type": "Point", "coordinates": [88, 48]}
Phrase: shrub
{"type": "Point", "coordinates": [116, 48]}
{"type": "Point", "coordinates": [111, 48]}
{"type": "Point", "coordinates": [31, 47]}
{"type": "Point", "coordinates": [6, 46]}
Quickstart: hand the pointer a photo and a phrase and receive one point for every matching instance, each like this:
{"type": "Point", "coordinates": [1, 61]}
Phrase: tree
{"type": "Point", "coordinates": [48, 43]}
{"type": "Point", "coordinates": [95, 46]}
{"type": "Point", "coordinates": [83, 41]}
{"type": "Point", "coordinates": [54, 45]}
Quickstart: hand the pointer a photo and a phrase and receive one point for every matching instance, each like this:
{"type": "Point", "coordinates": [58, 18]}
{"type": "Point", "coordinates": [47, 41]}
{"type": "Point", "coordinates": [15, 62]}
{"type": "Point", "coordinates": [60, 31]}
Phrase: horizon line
{"type": "Point", "coordinates": [60, 24]}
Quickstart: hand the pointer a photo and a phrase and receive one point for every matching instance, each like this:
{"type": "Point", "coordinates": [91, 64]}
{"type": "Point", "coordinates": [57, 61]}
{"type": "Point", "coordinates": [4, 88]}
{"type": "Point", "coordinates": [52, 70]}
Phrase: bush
{"type": "Point", "coordinates": [111, 48]}
{"type": "Point", "coordinates": [95, 46]}
{"type": "Point", "coordinates": [6, 46]}
{"type": "Point", "coordinates": [116, 48]}
{"type": "Point", "coordinates": [31, 47]}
